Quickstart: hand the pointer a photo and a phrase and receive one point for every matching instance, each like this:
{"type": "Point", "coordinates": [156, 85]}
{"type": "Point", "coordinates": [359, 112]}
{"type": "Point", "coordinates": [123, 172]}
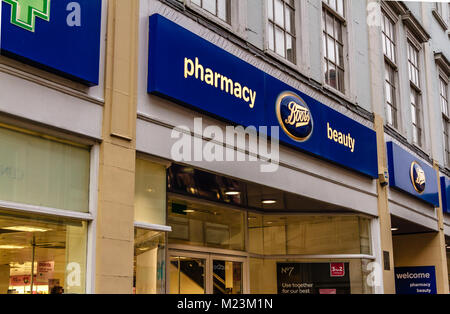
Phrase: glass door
{"type": "Point", "coordinates": [227, 277]}
{"type": "Point", "coordinates": [205, 274]}
{"type": "Point", "coordinates": [187, 274]}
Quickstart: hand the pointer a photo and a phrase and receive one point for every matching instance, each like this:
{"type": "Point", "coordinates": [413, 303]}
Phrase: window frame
{"type": "Point", "coordinates": [342, 20]}
{"type": "Point", "coordinates": [235, 20]}
{"type": "Point", "coordinates": [299, 27]}
{"type": "Point", "coordinates": [413, 43]}
{"type": "Point", "coordinates": [292, 33]}
{"type": "Point", "coordinates": [442, 78]}
{"type": "Point", "coordinates": [390, 17]}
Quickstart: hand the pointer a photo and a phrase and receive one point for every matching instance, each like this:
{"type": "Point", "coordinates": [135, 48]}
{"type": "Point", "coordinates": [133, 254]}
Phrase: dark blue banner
{"type": "Point", "coordinates": [60, 36]}
{"type": "Point", "coordinates": [415, 280]}
{"type": "Point", "coordinates": [445, 192]}
{"type": "Point", "coordinates": [189, 70]}
{"type": "Point", "coordinates": [410, 175]}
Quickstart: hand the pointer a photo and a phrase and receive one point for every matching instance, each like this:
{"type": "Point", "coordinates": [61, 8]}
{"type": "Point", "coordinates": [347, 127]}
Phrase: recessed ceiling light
{"type": "Point", "coordinates": [232, 193]}
{"type": "Point", "coordinates": [189, 211]}
{"type": "Point", "coordinates": [268, 202]}
{"type": "Point", "coordinates": [11, 247]}
{"type": "Point", "coordinates": [269, 222]}
{"type": "Point", "coordinates": [394, 229]}
{"type": "Point", "coordinates": [25, 229]}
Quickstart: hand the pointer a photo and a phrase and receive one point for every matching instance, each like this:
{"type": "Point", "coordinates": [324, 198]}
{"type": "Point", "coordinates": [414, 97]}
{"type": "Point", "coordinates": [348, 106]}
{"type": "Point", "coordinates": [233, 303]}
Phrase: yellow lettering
{"type": "Point", "coordinates": [245, 91]}
{"type": "Point", "coordinates": [237, 90]}
{"type": "Point", "coordinates": [188, 64]}
{"type": "Point", "coordinates": [197, 68]}
{"type": "Point", "coordinates": [226, 84]}
{"type": "Point", "coordinates": [209, 77]}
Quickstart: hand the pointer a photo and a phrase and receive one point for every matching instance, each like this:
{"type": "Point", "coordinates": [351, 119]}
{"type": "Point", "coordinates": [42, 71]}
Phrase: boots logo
{"type": "Point", "coordinates": [294, 116]}
{"type": "Point", "coordinates": [418, 178]}
{"type": "Point", "coordinates": [25, 12]}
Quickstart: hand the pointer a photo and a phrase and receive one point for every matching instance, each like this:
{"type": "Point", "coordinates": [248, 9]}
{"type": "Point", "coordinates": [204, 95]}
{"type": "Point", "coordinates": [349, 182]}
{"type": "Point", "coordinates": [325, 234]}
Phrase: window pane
{"type": "Point", "coordinates": [210, 6]}
{"type": "Point", "coordinates": [149, 262]}
{"type": "Point", "coordinates": [303, 235]}
{"type": "Point", "coordinates": [197, 2]}
{"type": "Point", "coordinates": [279, 15]}
{"type": "Point", "coordinates": [330, 25]}
{"type": "Point", "coordinates": [187, 275]}
{"type": "Point", "coordinates": [271, 37]}
{"type": "Point", "coordinates": [43, 172]}
{"type": "Point", "coordinates": [227, 277]}
{"type": "Point", "coordinates": [340, 54]}
{"type": "Point", "coordinates": [290, 20]}
{"type": "Point", "coordinates": [332, 76]}
{"type": "Point", "coordinates": [340, 7]}
{"type": "Point", "coordinates": [389, 119]}
{"type": "Point", "coordinates": [198, 224]}
{"type": "Point", "coordinates": [222, 10]}
{"type": "Point", "coordinates": [270, 9]}
{"type": "Point", "coordinates": [279, 42]}
{"type": "Point", "coordinates": [331, 47]}
{"type": "Point", "coordinates": [340, 81]}
{"type": "Point", "coordinates": [42, 255]}
{"type": "Point", "coordinates": [150, 193]}
{"type": "Point", "coordinates": [290, 48]}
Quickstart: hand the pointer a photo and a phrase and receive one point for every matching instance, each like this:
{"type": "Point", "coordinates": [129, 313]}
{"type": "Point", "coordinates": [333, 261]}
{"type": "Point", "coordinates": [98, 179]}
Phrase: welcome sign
{"type": "Point", "coordinates": [60, 36]}
{"type": "Point", "coordinates": [191, 71]}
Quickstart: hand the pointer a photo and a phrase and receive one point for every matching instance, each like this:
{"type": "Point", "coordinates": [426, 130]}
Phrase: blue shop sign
{"type": "Point", "coordinates": [193, 72]}
{"type": "Point", "coordinates": [60, 36]}
{"type": "Point", "coordinates": [415, 280]}
{"type": "Point", "coordinates": [445, 192]}
{"type": "Point", "coordinates": [410, 175]}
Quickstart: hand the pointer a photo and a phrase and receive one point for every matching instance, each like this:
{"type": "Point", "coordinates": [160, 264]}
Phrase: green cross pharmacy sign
{"type": "Point", "coordinates": [25, 12]}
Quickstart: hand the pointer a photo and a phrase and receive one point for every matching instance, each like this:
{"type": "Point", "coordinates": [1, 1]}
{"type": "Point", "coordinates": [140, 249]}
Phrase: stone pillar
{"type": "Point", "coordinates": [376, 62]}
{"type": "Point", "coordinates": [115, 217]}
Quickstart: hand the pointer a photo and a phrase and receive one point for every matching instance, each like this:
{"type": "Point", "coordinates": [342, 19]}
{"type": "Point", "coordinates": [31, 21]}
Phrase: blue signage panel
{"type": "Point", "coordinates": [189, 70]}
{"type": "Point", "coordinates": [445, 192]}
{"type": "Point", "coordinates": [415, 280]}
{"type": "Point", "coordinates": [61, 36]}
{"type": "Point", "coordinates": [410, 175]}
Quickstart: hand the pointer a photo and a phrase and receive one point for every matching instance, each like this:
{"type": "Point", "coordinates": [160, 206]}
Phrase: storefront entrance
{"type": "Point", "coordinates": [205, 273]}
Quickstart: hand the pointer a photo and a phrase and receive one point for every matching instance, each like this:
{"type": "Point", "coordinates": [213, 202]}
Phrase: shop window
{"type": "Point", "coordinates": [45, 172]}
{"type": "Point", "coordinates": [333, 26]}
{"type": "Point", "coordinates": [281, 28]}
{"type": "Point", "coordinates": [149, 262]}
{"type": "Point", "coordinates": [41, 255]}
{"type": "Point", "coordinates": [150, 195]}
{"type": "Point", "coordinates": [307, 235]}
{"type": "Point", "coordinates": [199, 224]}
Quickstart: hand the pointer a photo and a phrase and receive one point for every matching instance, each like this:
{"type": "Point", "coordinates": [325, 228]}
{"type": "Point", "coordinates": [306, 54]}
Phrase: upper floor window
{"type": "Point", "coordinates": [413, 65]}
{"type": "Point", "coordinates": [219, 8]}
{"type": "Point", "coordinates": [390, 84]}
{"type": "Point", "coordinates": [281, 28]}
{"type": "Point", "coordinates": [388, 34]}
{"type": "Point", "coordinates": [333, 43]}
{"type": "Point", "coordinates": [415, 93]}
{"type": "Point", "coordinates": [443, 98]}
